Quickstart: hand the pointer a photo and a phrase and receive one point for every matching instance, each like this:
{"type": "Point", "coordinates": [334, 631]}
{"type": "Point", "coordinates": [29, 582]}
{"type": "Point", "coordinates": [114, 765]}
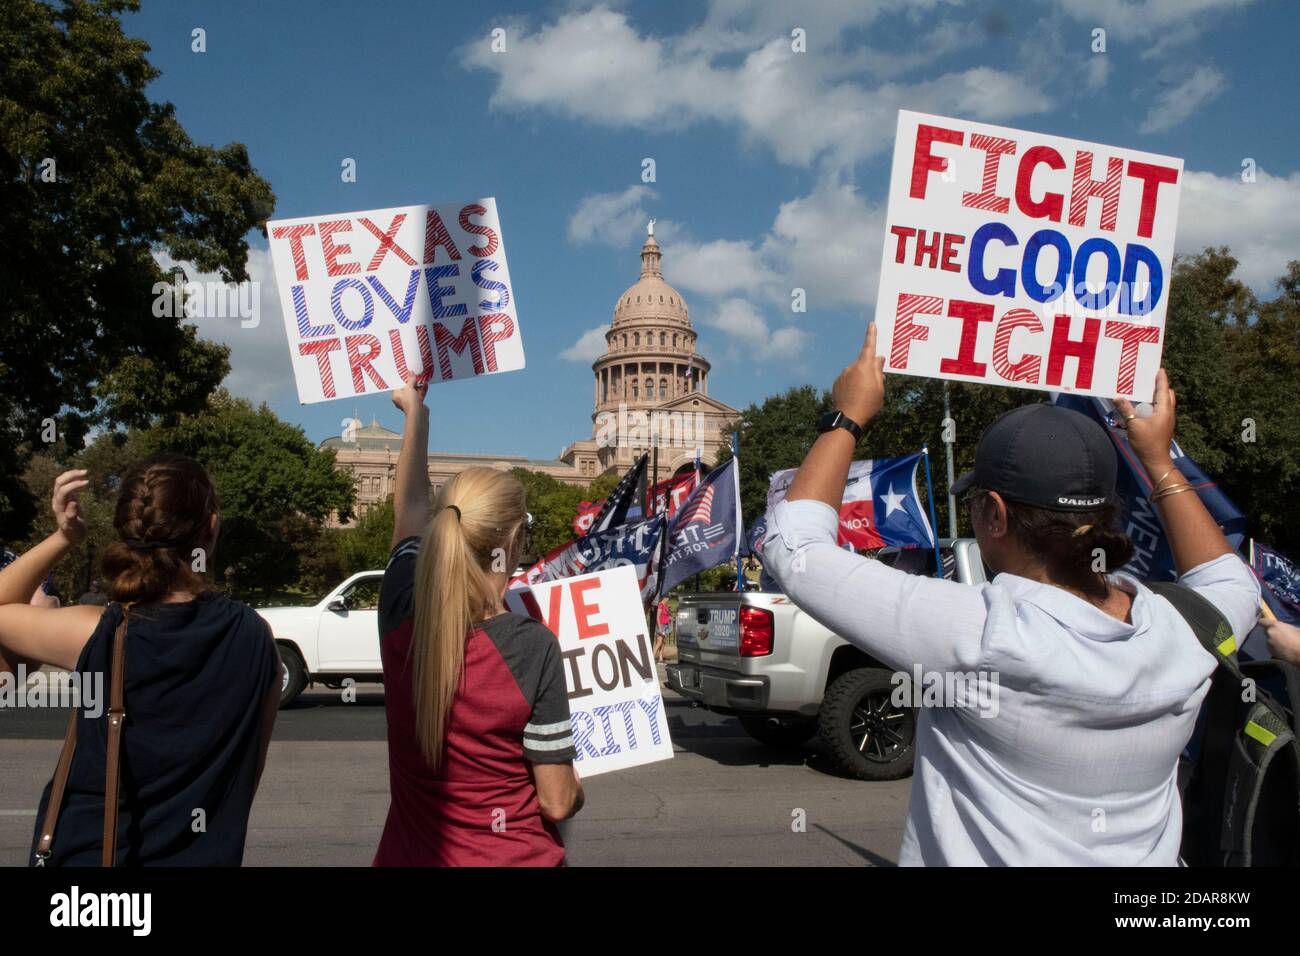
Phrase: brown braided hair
{"type": "Point", "coordinates": [164, 512]}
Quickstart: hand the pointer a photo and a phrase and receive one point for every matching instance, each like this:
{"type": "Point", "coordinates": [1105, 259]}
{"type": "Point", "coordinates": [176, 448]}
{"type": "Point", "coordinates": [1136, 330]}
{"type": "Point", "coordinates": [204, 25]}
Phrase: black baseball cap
{"type": "Point", "coordinates": [1045, 456]}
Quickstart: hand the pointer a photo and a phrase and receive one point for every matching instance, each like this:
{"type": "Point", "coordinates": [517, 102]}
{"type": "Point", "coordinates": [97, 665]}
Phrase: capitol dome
{"type": "Point", "coordinates": [650, 299]}
{"type": "Point", "coordinates": [651, 357]}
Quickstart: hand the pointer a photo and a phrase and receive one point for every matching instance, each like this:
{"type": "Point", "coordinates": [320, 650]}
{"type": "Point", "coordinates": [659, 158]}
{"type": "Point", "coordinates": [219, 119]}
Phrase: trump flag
{"type": "Point", "coordinates": [705, 531]}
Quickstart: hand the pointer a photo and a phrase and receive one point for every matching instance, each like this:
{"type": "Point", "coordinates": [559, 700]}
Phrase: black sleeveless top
{"type": "Point", "coordinates": [197, 675]}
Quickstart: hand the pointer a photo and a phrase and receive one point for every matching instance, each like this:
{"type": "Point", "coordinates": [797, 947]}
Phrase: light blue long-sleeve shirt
{"type": "Point", "coordinates": [1075, 761]}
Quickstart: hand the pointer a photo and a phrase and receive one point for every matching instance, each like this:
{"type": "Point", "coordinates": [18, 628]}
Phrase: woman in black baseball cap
{"type": "Point", "coordinates": [1087, 683]}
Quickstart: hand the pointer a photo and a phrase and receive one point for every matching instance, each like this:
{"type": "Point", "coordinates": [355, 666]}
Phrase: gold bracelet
{"type": "Point", "coordinates": [1156, 486]}
{"type": "Point", "coordinates": [1172, 490]}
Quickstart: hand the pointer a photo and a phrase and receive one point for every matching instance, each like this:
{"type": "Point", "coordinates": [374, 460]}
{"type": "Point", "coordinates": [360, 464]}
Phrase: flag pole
{"type": "Point", "coordinates": [929, 493]}
{"type": "Point", "coordinates": [735, 474]}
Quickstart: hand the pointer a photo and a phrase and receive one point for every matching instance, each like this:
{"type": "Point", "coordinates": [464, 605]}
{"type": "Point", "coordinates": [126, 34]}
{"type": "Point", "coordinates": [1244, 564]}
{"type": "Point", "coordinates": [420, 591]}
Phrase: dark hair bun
{"type": "Point", "coordinates": [164, 511]}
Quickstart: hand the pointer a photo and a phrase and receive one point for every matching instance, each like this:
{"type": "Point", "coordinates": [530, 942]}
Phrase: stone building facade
{"type": "Point", "coordinates": [651, 389]}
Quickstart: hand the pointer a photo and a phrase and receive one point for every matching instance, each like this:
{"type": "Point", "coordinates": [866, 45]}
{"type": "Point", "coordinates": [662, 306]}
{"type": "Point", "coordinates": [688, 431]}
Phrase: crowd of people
{"type": "Point", "coordinates": [1100, 679]}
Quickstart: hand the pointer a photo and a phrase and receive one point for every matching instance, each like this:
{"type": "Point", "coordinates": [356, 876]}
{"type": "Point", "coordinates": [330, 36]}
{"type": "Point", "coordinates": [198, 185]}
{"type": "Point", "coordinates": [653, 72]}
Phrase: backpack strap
{"type": "Point", "coordinates": [1266, 733]}
{"type": "Point", "coordinates": [1210, 627]}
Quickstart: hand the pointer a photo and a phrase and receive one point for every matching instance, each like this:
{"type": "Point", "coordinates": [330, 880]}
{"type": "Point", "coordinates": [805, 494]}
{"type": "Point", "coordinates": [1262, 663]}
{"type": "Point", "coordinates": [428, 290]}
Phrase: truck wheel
{"type": "Point", "coordinates": [864, 732]}
{"type": "Point", "coordinates": [293, 675]}
{"type": "Point", "coordinates": [778, 732]}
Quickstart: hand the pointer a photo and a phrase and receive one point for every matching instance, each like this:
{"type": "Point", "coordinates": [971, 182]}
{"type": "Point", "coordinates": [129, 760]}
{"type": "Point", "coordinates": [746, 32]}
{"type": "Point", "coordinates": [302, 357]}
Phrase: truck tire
{"type": "Point", "coordinates": [293, 676]}
{"type": "Point", "coordinates": [864, 732]}
{"type": "Point", "coordinates": [778, 733]}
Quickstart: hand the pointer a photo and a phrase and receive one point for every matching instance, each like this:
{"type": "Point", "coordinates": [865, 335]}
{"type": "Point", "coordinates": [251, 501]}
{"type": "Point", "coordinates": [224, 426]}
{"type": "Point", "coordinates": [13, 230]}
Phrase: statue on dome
{"type": "Point", "coordinates": [650, 229]}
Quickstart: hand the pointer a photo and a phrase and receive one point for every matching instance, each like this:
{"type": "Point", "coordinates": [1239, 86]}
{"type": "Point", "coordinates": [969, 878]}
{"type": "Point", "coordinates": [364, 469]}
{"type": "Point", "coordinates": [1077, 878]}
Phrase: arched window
{"type": "Point", "coordinates": [624, 340]}
{"type": "Point", "coordinates": [663, 339]}
{"type": "Point", "coordinates": [636, 338]}
{"type": "Point", "coordinates": [674, 340]}
{"type": "Point", "coordinates": [635, 394]}
{"type": "Point", "coordinates": [663, 388]}
{"type": "Point", "coordinates": [649, 388]}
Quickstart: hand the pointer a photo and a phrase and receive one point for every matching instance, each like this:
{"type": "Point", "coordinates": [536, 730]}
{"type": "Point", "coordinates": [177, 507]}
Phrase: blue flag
{"type": "Point", "coordinates": [703, 533]}
{"type": "Point", "coordinates": [638, 543]}
{"type": "Point", "coordinates": [1280, 582]}
{"type": "Point", "coordinates": [1152, 559]}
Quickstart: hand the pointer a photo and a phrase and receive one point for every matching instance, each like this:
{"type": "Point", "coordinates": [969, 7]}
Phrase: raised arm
{"type": "Point", "coordinates": [859, 393]}
{"type": "Point", "coordinates": [1194, 538]}
{"type": "Point", "coordinates": [46, 635]}
{"type": "Point", "coordinates": [411, 496]}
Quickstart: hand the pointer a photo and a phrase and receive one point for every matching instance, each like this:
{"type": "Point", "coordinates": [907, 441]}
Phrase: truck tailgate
{"type": "Point", "coordinates": [708, 629]}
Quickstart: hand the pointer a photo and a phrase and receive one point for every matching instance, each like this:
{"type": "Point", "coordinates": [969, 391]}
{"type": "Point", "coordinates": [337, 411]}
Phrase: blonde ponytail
{"type": "Point", "coordinates": [475, 529]}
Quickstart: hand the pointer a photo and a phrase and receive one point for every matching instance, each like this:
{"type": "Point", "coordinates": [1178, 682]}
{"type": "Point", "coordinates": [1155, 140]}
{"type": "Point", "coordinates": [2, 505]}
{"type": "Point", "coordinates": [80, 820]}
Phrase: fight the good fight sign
{"type": "Point", "coordinates": [1021, 259]}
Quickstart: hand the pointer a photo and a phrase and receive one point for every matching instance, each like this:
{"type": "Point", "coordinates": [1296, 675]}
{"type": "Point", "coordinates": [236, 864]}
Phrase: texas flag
{"type": "Point", "coordinates": [880, 507]}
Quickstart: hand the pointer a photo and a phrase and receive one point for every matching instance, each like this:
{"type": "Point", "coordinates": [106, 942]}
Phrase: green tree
{"type": "Point", "coordinates": [552, 504]}
{"type": "Point", "coordinates": [94, 177]}
{"type": "Point", "coordinates": [366, 545]}
{"type": "Point", "coordinates": [276, 490]}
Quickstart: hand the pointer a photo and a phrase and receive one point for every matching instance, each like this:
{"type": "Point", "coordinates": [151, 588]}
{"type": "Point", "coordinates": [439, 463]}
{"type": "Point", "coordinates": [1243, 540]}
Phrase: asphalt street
{"type": "Point", "coordinates": [722, 800]}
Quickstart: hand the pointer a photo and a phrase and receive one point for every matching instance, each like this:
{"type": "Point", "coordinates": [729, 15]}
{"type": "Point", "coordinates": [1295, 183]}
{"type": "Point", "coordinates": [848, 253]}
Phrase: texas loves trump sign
{"type": "Point", "coordinates": [1016, 258]}
{"type": "Point", "coordinates": [372, 297]}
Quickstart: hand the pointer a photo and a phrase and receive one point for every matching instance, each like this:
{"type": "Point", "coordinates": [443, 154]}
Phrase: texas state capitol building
{"type": "Point", "coordinates": [650, 382]}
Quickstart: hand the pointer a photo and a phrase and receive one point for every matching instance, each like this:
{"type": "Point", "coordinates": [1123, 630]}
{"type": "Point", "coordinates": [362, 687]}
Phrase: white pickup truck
{"type": "Point", "coordinates": [331, 641]}
{"type": "Point", "coordinates": [757, 656]}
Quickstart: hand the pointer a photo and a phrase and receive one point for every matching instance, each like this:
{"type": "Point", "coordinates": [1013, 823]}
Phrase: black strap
{"type": "Point", "coordinates": [1207, 623]}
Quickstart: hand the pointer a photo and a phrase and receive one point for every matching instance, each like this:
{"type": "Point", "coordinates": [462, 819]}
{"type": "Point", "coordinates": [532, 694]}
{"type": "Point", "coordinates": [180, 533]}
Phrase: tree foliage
{"type": "Point", "coordinates": [276, 490]}
{"type": "Point", "coordinates": [94, 177]}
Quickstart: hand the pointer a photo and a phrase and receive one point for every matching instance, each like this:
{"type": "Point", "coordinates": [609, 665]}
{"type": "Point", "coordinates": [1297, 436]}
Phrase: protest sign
{"type": "Point", "coordinates": [1027, 260]}
{"type": "Point", "coordinates": [372, 297]}
{"type": "Point", "coordinates": [616, 708]}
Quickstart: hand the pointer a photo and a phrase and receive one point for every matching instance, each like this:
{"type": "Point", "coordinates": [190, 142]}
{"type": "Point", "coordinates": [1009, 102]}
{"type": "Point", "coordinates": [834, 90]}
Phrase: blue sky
{"type": "Point", "coordinates": [771, 166]}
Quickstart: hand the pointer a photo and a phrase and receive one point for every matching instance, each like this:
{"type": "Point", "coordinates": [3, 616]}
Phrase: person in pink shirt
{"type": "Point", "coordinates": [664, 622]}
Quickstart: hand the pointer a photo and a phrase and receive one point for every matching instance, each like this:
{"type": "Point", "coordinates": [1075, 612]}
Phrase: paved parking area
{"type": "Point", "coordinates": [722, 800]}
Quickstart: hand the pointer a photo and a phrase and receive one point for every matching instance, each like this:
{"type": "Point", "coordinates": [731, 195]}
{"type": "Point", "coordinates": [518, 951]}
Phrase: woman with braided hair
{"type": "Point", "coordinates": [200, 680]}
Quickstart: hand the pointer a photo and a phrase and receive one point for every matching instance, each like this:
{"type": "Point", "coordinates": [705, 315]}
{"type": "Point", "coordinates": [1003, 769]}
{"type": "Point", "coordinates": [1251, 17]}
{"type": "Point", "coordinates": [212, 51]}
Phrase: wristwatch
{"type": "Point", "coordinates": [837, 419]}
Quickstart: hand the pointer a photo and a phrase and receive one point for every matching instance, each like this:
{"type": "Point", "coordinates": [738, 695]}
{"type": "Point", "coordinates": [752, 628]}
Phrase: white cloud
{"type": "Point", "coordinates": [1179, 102]}
{"type": "Point", "coordinates": [827, 243]}
{"type": "Point", "coordinates": [1256, 221]}
{"type": "Point", "coordinates": [616, 219]}
{"type": "Point", "coordinates": [1127, 20]}
{"type": "Point", "coordinates": [718, 267]}
{"type": "Point", "coordinates": [590, 346]}
{"type": "Point", "coordinates": [747, 329]}
{"type": "Point", "coordinates": [259, 355]}
{"type": "Point", "coordinates": [1098, 72]}
{"type": "Point", "coordinates": [596, 66]}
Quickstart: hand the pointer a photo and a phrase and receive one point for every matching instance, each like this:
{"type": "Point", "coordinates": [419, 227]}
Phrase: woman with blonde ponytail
{"type": "Point", "coordinates": [480, 754]}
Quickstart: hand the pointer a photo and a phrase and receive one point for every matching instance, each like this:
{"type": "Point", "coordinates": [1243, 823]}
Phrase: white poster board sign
{"type": "Point", "coordinates": [615, 704]}
{"type": "Point", "coordinates": [370, 297]}
{"type": "Point", "coordinates": [1027, 260]}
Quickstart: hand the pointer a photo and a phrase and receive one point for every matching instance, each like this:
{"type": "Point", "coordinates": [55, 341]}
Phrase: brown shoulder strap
{"type": "Point", "coordinates": [56, 792]}
{"type": "Point", "coordinates": [113, 756]}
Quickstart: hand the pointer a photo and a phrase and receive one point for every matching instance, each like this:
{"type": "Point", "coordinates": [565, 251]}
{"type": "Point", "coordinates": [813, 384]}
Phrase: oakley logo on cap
{"type": "Point", "coordinates": [1080, 502]}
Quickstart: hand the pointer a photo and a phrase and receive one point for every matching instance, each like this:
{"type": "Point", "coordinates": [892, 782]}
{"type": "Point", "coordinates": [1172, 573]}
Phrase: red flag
{"type": "Point", "coordinates": [669, 495]}
{"type": "Point", "coordinates": [583, 520]}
